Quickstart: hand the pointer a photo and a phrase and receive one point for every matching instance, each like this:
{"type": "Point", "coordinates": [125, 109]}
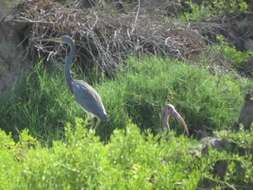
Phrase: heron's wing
{"type": "Point", "coordinates": [89, 88]}
{"type": "Point", "coordinates": [88, 97]}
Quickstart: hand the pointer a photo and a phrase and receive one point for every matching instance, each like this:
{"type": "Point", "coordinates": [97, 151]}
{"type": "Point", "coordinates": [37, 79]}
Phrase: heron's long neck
{"type": "Point", "coordinates": [68, 62]}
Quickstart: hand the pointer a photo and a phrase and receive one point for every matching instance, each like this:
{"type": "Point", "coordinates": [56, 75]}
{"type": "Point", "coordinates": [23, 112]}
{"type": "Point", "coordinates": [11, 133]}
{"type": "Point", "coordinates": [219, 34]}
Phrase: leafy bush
{"type": "Point", "coordinates": [238, 58]}
{"type": "Point", "coordinates": [208, 8]}
{"type": "Point", "coordinates": [128, 161]}
{"type": "Point", "coordinates": [244, 138]}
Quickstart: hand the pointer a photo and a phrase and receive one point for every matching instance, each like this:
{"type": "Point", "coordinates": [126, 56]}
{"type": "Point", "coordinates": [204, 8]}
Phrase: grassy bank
{"type": "Point", "coordinates": [57, 150]}
{"type": "Point", "coordinates": [42, 103]}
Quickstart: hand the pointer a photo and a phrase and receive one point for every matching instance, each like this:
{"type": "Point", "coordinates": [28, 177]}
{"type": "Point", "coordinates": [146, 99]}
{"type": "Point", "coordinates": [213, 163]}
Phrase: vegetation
{"type": "Point", "coordinates": [76, 158]}
{"type": "Point", "coordinates": [203, 98]}
{"type": "Point", "coordinates": [129, 161]}
{"type": "Point", "coordinates": [39, 102]}
{"type": "Point", "coordinates": [47, 141]}
{"type": "Point", "coordinates": [42, 103]}
{"type": "Point", "coordinates": [230, 53]}
{"type": "Point", "coordinates": [207, 8]}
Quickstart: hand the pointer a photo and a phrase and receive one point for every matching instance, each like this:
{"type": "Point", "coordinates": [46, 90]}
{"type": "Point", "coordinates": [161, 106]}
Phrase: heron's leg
{"type": "Point", "coordinates": [94, 123]}
{"type": "Point", "coordinates": [93, 126]}
{"type": "Point", "coordinates": [97, 123]}
{"type": "Point", "coordinates": [89, 120]}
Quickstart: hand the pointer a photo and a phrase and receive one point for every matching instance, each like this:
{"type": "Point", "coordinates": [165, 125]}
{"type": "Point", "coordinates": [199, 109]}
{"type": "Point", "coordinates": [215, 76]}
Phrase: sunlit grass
{"type": "Point", "coordinates": [203, 98]}
{"type": "Point", "coordinates": [129, 160]}
{"type": "Point", "coordinates": [42, 103]}
{"type": "Point", "coordinates": [57, 150]}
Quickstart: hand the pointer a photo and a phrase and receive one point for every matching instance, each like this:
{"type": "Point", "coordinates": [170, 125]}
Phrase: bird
{"type": "Point", "coordinates": [85, 95]}
{"type": "Point", "coordinates": [169, 110]}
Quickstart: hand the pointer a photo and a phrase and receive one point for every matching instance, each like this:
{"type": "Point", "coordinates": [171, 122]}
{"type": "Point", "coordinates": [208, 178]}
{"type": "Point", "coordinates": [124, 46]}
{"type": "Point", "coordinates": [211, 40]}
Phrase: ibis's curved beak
{"type": "Point", "coordinates": [180, 119]}
{"type": "Point", "coordinates": [169, 110]}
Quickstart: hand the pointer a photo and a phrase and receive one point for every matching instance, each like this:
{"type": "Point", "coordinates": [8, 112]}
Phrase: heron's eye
{"type": "Point", "coordinates": [65, 48]}
{"type": "Point", "coordinates": [68, 48]}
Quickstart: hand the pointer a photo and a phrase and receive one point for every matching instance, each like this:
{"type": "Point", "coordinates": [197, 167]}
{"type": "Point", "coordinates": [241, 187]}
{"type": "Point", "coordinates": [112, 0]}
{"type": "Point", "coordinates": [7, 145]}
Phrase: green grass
{"type": "Point", "coordinates": [204, 99]}
{"type": "Point", "coordinates": [42, 103]}
{"type": "Point", "coordinates": [238, 59]}
{"type": "Point", "coordinates": [57, 150]}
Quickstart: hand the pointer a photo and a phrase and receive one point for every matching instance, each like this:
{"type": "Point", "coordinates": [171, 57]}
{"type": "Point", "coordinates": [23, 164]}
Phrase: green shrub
{"type": "Point", "coordinates": [140, 93]}
{"type": "Point", "coordinates": [129, 160]}
{"type": "Point", "coordinates": [238, 58]}
{"type": "Point", "coordinates": [9, 167]}
{"type": "Point", "coordinates": [208, 8]}
{"type": "Point", "coordinates": [244, 138]}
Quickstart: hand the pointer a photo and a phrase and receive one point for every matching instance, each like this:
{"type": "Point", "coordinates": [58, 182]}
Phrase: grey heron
{"type": "Point", "coordinates": [85, 95]}
{"type": "Point", "coordinates": [169, 110]}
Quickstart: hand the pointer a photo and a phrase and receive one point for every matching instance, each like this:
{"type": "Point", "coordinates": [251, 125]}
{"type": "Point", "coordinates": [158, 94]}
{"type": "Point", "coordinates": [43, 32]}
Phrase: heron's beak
{"type": "Point", "coordinates": [58, 40]}
{"type": "Point", "coordinates": [179, 118]}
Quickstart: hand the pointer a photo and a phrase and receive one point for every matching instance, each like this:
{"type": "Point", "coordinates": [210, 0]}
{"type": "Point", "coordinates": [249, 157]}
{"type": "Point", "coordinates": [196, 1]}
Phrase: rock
{"type": "Point", "coordinates": [206, 184]}
{"type": "Point", "coordinates": [217, 143]}
{"type": "Point", "coordinates": [237, 29]}
{"type": "Point", "coordinates": [248, 44]}
{"type": "Point", "coordinates": [246, 114]}
{"type": "Point", "coordinates": [247, 68]}
{"type": "Point", "coordinates": [223, 145]}
{"type": "Point", "coordinates": [220, 168]}
{"type": "Point", "coordinates": [250, 3]}
{"type": "Point", "coordinates": [12, 55]}
{"type": "Point", "coordinates": [1, 14]}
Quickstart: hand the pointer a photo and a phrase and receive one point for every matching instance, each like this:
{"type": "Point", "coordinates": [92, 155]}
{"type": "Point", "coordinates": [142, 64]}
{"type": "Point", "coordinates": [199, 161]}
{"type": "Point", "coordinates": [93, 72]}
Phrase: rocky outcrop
{"type": "Point", "coordinates": [12, 52]}
{"type": "Point", "coordinates": [246, 114]}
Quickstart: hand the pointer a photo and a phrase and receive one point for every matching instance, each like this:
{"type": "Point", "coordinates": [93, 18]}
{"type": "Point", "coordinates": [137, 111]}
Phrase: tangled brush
{"type": "Point", "coordinates": [103, 39]}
